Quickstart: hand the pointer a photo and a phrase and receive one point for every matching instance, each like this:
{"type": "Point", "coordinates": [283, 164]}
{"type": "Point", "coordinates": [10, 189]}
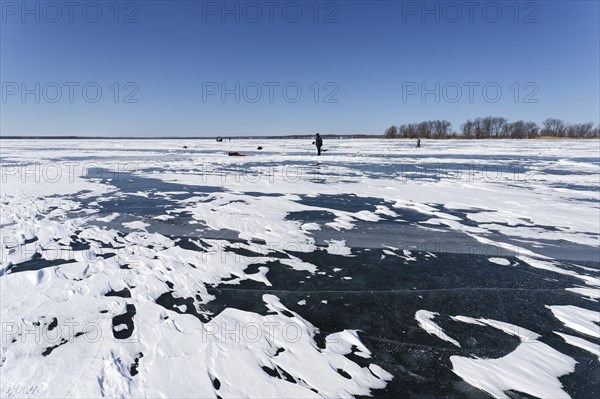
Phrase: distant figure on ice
{"type": "Point", "coordinates": [318, 143]}
{"type": "Point", "coordinates": [418, 142]}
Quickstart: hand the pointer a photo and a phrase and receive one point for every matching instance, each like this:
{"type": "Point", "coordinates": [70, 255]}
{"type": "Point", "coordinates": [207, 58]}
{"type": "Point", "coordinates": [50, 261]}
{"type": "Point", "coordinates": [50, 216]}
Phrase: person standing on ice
{"type": "Point", "coordinates": [418, 142]}
{"type": "Point", "coordinates": [318, 143]}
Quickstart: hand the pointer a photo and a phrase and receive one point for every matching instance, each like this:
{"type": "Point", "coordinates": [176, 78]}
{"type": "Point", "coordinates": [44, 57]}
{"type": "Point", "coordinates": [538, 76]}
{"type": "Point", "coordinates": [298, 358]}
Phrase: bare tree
{"type": "Point", "coordinates": [440, 128]}
{"type": "Point", "coordinates": [572, 130]}
{"type": "Point", "coordinates": [532, 130]}
{"type": "Point", "coordinates": [424, 130]}
{"type": "Point", "coordinates": [494, 127]}
{"type": "Point", "coordinates": [481, 128]}
{"type": "Point", "coordinates": [400, 133]}
{"type": "Point", "coordinates": [554, 127]}
{"type": "Point", "coordinates": [413, 130]}
{"type": "Point", "coordinates": [468, 129]}
{"type": "Point", "coordinates": [391, 132]}
{"type": "Point", "coordinates": [586, 129]}
{"type": "Point", "coordinates": [408, 130]}
{"type": "Point", "coordinates": [515, 130]}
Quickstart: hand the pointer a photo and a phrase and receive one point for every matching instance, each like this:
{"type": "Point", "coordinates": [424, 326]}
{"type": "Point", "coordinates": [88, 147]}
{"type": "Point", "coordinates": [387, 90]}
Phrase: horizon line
{"type": "Point", "coordinates": [187, 137]}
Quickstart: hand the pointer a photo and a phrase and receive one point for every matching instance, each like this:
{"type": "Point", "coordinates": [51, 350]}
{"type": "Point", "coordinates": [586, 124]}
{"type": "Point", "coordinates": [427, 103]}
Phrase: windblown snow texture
{"type": "Point", "coordinates": [464, 269]}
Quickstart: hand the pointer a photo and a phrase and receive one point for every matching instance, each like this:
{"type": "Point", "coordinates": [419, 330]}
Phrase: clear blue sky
{"type": "Point", "coordinates": [375, 55]}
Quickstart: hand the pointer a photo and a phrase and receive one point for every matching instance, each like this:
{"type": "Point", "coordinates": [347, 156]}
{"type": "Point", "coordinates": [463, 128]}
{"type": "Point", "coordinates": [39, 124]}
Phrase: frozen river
{"type": "Point", "coordinates": [464, 269]}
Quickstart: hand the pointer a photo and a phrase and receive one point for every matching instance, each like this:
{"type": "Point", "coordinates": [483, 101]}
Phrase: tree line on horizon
{"type": "Point", "coordinates": [491, 127]}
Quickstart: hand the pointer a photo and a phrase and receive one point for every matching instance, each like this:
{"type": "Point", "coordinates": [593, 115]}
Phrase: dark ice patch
{"type": "Point", "coordinates": [253, 268]}
{"type": "Point", "coordinates": [127, 319]}
{"type": "Point", "coordinates": [242, 251]}
{"type": "Point", "coordinates": [78, 244]}
{"type": "Point", "coordinates": [30, 240]}
{"type": "Point", "coordinates": [344, 374]}
{"type": "Point", "coordinates": [53, 324]}
{"type": "Point", "coordinates": [342, 202]}
{"type": "Point", "coordinates": [169, 302]}
{"type": "Point", "coordinates": [271, 372]}
{"type": "Point", "coordinates": [285, 375]}
{"type": "Point", "coordinates": [133, 370]}
{"type": "Point", "coordinates": [320, 217]}
{"type": "Point", "coordinates": [124, 293]}
{"type": "Point", "coordinates": [258, 194]}
{"type": "Point", "coordinates": [279, 351]}
{"type": "Point", "coordinates": [49, 349]}
{"type": "Point", "coordinates": [37, 262]}
{"type": "Point", "coordinates": [189, 244]}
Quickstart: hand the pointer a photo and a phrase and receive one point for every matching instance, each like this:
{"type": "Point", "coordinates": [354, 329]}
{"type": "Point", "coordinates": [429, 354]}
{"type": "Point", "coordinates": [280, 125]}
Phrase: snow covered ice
{"type": "Point", "coordinates": [139, 268]}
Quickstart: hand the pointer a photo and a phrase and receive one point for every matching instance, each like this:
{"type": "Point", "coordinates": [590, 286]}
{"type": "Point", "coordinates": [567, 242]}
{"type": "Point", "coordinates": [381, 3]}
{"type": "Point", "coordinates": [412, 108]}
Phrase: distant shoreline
{"type": "Point", "coordinates": [225, 138]}
{"type": "Point", "coordinates": [291, 137]}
